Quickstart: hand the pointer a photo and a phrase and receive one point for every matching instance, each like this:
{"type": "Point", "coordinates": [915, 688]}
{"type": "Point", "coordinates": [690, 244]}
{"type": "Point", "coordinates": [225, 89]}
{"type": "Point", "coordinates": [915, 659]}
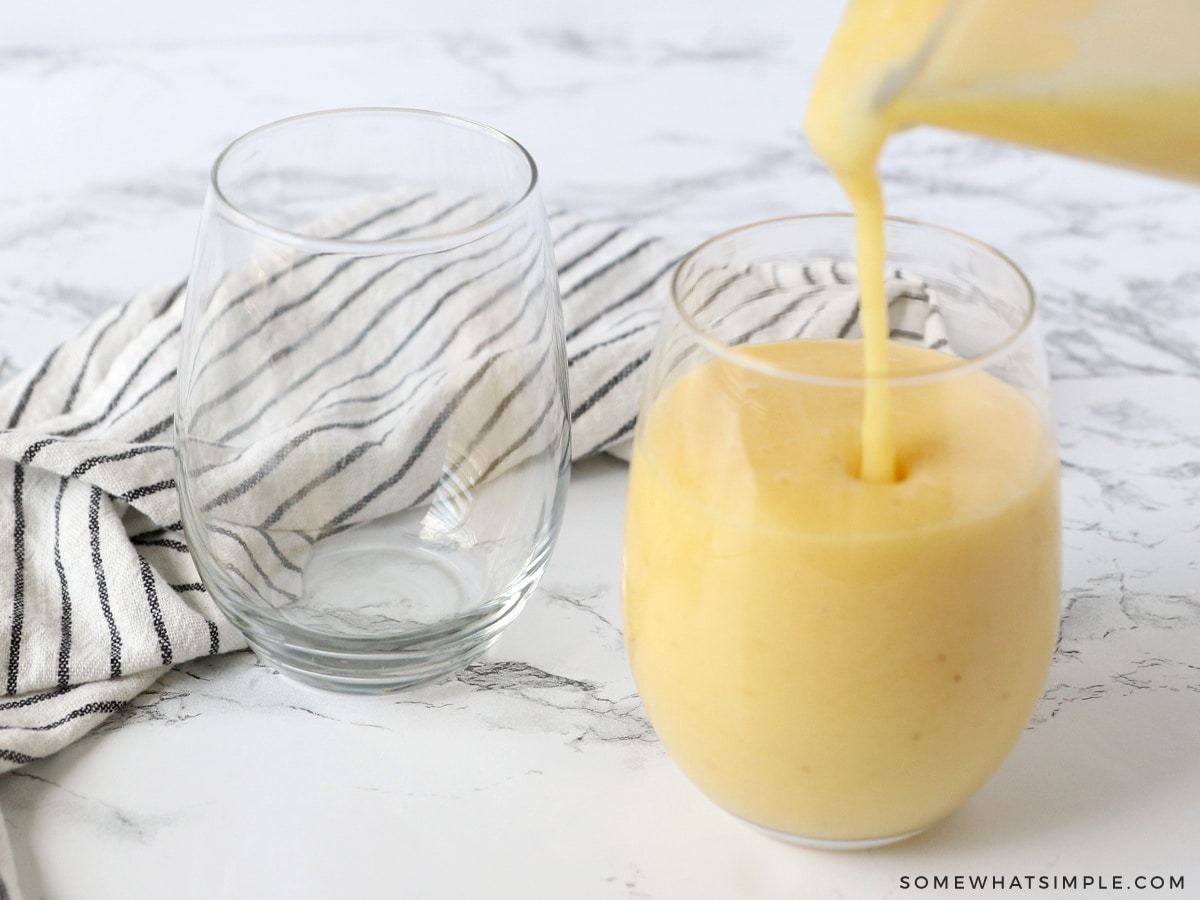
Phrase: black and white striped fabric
{"type": "Point", "coordinates": [100, 593]}
{"type": "Point", "coordinates": [414, 395]}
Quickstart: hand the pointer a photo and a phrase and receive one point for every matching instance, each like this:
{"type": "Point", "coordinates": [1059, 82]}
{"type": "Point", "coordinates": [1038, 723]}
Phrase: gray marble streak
{"type": "Point", "coordinates": [535, 773]}
{"type": "Point", "coordinates": [1099, 337]}
{"type": "Point", "coordinates": [503, 694]}
{"type": "Point", "coordinates": [56, 301]}
{"type": "Point", "coordinates": [1130, 476]}
{"type": "Point", "coordinates": [40, 62]}
{"type": "Point", "coordinates": [59, 267]}
{"type": "Point", "coordinates": [112, 821]}
{"type": "Point", "coordinates": [585, 600]}
{"type": "Point", "coordinates": [600, 718]}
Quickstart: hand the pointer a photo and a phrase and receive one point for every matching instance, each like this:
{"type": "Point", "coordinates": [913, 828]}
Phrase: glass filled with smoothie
{"type": "Point", "coordinates": [841, 589]}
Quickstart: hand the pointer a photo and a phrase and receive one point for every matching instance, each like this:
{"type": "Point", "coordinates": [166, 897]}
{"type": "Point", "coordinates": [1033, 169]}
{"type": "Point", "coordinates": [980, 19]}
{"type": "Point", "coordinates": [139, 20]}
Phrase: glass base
{"type": "Point", "coordinates": [367, 676]}
{"type": "Point", "coordinates": [825, 844]}
{"type": "Point", "coordinates": [378, 669]}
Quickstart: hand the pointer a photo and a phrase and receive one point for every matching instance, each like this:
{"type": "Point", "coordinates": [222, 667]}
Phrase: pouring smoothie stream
{"type": "Point", "coordinates": [842, 560]}
{"type": "Point", "coordinates": [1100, 79]}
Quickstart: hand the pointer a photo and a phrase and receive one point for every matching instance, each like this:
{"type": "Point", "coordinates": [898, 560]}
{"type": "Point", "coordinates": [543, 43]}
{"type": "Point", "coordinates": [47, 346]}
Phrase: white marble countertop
{"type": "Point", "coordinates": [536, 775]}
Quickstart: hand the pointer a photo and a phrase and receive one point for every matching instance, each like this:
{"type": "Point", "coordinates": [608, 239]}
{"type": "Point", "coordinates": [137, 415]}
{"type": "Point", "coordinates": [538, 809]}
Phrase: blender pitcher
{"type": "Point", "coordinates": [1115, 81]}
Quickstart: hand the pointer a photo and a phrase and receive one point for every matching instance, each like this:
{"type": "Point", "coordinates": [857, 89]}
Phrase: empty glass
{"type": "Point", "coordinates": [372, 432]}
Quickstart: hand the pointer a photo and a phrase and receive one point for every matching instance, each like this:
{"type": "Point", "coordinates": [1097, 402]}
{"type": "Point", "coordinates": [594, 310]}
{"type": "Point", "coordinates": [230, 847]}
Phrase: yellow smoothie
{"type": "Point", "coordinates": [826, 656]}
{"type": "Point", "coordinates": [841, 602]}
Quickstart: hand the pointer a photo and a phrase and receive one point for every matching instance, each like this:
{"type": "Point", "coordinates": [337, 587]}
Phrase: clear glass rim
{"type": "Point", "coordinates": [730, 352]}
{"type": "Point", "coordinates": [445, 240]}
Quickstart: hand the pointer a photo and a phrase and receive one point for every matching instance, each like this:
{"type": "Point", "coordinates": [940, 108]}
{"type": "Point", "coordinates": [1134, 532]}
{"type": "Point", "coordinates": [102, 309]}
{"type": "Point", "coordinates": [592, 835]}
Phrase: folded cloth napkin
{"type": "Point", "coordinates": [98, 592]}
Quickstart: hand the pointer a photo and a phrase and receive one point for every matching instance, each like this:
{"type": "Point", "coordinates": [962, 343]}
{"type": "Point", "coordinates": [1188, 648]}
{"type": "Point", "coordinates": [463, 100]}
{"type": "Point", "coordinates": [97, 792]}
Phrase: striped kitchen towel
{"type": "Point", "coordinates": [98, 592]}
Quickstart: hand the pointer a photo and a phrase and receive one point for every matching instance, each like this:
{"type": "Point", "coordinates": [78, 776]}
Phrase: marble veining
{"type": "Point", "coordinates": [535, 773]}
{"type": "Point", "coordinates": [98, 816]}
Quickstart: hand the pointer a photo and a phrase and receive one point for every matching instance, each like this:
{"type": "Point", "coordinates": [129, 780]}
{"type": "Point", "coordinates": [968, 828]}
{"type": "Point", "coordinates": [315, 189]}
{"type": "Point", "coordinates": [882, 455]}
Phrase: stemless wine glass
{"type": "Point", "coordinates": [372, 434]}
{"type": "Point", "coordinates": [839, 662]}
